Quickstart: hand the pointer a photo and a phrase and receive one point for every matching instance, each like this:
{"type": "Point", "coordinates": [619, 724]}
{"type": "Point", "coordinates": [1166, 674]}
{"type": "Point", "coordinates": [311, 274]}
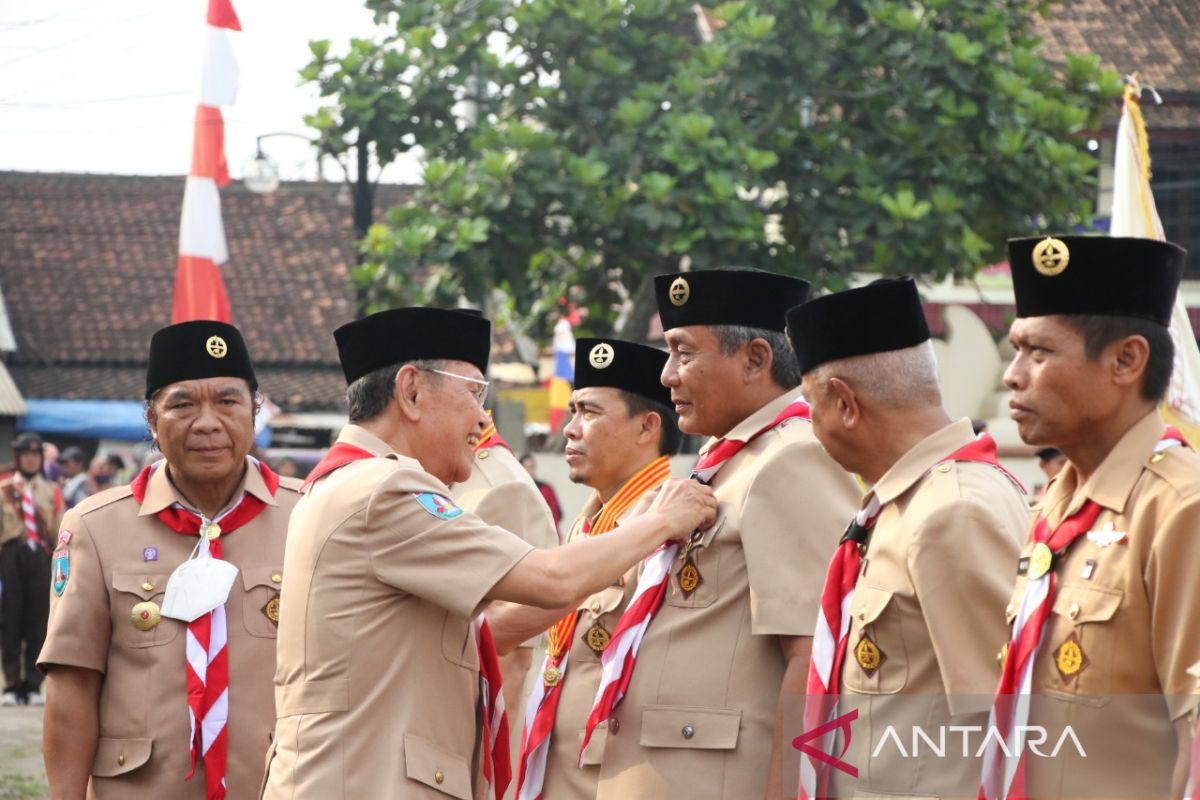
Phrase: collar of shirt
{"type": "Point", "coordinates": [756, 421]}
{"type": "Point", "coordinates": [364, 439]}
{"type": "Point", "coordinates": [161, 493]}
{"type": "Point", "coordinates": [1113, 481]}
{"type": "Point", "coordinates": [913, 465]}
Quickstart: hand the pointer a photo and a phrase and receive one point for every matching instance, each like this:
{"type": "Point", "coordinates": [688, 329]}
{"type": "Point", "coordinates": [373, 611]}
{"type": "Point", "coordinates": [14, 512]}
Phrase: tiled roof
{"type": "Point", "coordinates": [1156, 38]}
{"type": "Point", "coordinates": [87, 265]}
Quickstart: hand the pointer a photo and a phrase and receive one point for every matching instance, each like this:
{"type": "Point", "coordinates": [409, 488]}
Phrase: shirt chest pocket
{"type": "Point", "coordinates": [137, 609]}
{"type": "Point", "coordinates": [260, 605]}
{"type": "Point", "coordinates": [695, 578]}
{"type": "Point", "coordinates": [458, 646]}
{"type": "Point", "coordinates": [876, 661]}
{"type": "Point", "coordinates": [1080, 640]}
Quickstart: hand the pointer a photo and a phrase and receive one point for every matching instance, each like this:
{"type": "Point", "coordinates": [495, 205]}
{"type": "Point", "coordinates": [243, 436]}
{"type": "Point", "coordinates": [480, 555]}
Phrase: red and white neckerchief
{"type": "Point", "coordinates": [832, 633]}
{"type": "Point", "coordinates": [620, 655]}
{"type": "Point", "coordinates": [542, 707]}
{"type": "Point", "coordinates": [29, 518]}
{"type": "Point", "coordinates": [207, 636]}
{"type": "Point", "coordinates": [497, 766]}
{"type": "Point", "coordinates": [1004, 775]}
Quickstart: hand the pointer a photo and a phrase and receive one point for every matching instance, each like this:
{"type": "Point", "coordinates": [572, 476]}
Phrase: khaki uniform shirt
{"type": "Point", "coordinates": [502, 493]}
{"type": "Point", "coordinates": [1132, 607]}
{"type": "Point", "coordinates": [698, 718]}
{"type": "Point", "coordinates": [122, 555]}
{"type": "Point", "coordinates": [46, 498]}
{"type": "Point", "coordinates": [945, 535]}
{"type": "Point", "coordinates": [377, 684]}
{"type": "Point", "coordinates": [564, 778]}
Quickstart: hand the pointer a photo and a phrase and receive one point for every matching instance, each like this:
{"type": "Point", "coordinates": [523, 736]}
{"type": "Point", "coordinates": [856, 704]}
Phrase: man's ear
{"type": "Point", "coordinates": [759, 359]}
{"type": "Point", "coordinates": [1128, 358]}
{"type": "Point", "coordinates": [848, 407]}
{"type": "Point", "coordinates": [650, 429]}
{"type": "Point", "coordinates": [409, 392]}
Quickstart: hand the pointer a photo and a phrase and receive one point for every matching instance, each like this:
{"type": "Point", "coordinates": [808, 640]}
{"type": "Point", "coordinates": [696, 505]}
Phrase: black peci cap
{"type": "Point", "coordinates": [747, 297]}
{"type": "Point", "coordinates": [621, 365]}
{"type": "Point", "coordinates": [1113, 276]}
{"type": "Point", "coordinates": [194, 350]}
{"type": "Point", "coordinates": [407, 334]}
{"type": "Point", "coordinates": [882, 316]}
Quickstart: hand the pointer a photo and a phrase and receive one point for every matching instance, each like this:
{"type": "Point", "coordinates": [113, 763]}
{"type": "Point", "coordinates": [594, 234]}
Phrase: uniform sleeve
{"type": "Point", "coordinates": [80, 627]}
{"type": "Point", "coordinates": [1174, 612]}
{"type": "Point", "coordinates": [444, 555]}
{"type": "Point", "coordinates": [962, 550]}
{"type": "Point", "coordinates": [794, 513]}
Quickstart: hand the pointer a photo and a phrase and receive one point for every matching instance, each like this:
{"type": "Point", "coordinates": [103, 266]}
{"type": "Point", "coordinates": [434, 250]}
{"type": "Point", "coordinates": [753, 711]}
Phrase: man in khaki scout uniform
{"type": "Point", "coordinates": [703, 715]}
{"type": "Point", "coordinates": [378, 687]}
{"type": "Point", "coordinates": [621, 435]}
{"type": "Point", "coordinates": [119, 670]}
{"type": "Point", "coordinates": [1110, 562]}
{"type": "Point", "coordinates": [500, 492]}
{"type": "Point", "coordinates": [943, 518]}
{"type": "Point", "coordinates": [30, 509]}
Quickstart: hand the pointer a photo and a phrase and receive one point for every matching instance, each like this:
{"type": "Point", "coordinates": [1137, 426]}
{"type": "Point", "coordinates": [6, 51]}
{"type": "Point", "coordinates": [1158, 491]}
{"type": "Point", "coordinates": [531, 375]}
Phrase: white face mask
{"type": "Point", "coordinates": [198, 585]}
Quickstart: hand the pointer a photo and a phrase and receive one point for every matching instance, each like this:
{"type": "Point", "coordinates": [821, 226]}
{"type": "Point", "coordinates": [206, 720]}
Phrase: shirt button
{"type": "Point", "coordinates": [943, 468]}
{"type": "Point", "coordinates": [439, 776]}
{"type": "Point", "coordinates": [147, 586]}
{"type": "Point", "coordinates": [862, 614]}
{"type": "Point", "coordinates": [596, 607]}
{"type": "Point", "coordinates": [688, 731]}
{"type": "Point", "coordinates": [276, 578]}
{"type": "Point", "coordinates": [614, 725]}
{"type": "Point", "coordinates": [483, 454]}
{"type": "Point", "coordinates": [121, 760]}
{"type": "Point", "coordinates": [1073, 611]}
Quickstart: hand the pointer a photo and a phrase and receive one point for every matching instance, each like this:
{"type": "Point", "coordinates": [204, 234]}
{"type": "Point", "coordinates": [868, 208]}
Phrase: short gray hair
{"type": "Point", "coordinates": [368, 397]}
{"type": "Point", "coordinates": [785, 372]}
{"type": "Point", "coordinates": [903, 379]}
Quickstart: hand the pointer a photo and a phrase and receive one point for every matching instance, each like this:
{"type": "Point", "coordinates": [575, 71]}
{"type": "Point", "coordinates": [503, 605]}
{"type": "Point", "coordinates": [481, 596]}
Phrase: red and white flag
{"type": "Point", "coordinates": [199, 288]}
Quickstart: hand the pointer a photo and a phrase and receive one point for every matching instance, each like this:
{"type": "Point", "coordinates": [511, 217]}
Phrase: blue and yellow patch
{"type": "Point", "coordinates": [61, 571]}
{"type": "Point", "coordinates": [438, 505]}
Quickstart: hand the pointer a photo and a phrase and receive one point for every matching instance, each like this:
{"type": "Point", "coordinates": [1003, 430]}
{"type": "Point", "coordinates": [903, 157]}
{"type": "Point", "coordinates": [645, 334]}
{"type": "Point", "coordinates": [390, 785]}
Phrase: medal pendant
{"type": "Point", "coordinates": [551, 676]}
{"type": "Point", "coordinates": [596, 638]}
{"type": "Point", "coordinates": [690, 577]}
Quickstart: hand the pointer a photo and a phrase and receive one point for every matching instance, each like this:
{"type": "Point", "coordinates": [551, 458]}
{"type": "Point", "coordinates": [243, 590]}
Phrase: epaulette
{"type": "Point", "coordinates": [102, 499]}
{"type": "Point", "coordinates": [1179, 467]}
{"type": "Point", "coordinates": [291, 484]}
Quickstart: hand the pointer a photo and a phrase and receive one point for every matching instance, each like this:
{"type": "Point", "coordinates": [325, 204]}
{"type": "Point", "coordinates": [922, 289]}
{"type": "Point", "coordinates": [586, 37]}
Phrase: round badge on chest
{"type": "Point", "coordinates": [146, 616]}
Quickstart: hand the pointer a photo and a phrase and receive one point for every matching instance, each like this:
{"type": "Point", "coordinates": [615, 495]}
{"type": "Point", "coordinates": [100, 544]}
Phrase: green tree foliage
{"type": "Point", "coordinates": [615, 139]}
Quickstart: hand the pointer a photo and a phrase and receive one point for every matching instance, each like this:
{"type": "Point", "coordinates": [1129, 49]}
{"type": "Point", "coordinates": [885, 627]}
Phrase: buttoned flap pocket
{"type": "Point", "coordinates": [260, 605]}
{"type": "Point", "coordinates": [690, 727]}
{"type": "Point", "coordinates": [137, 609]}
{"type": "Point", "coordinates": [603, 602]}
{"type": "Point", "coordinates": [876, 661]}
{"type": "Point", "coordinates": [593, 755]}
{"type": "Point", "coordinates": [437, 768]}
{"type": "Point", "coordinates": [1079, 644]}
{"type": "Point", "coordinates": [458, 645]}
{"type": "Point", "coordinates": [119, 756]}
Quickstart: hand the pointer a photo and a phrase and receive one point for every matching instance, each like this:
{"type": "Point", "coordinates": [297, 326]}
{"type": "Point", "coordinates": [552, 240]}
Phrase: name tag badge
{"type": "Point", "coordinates": [1023, 565]}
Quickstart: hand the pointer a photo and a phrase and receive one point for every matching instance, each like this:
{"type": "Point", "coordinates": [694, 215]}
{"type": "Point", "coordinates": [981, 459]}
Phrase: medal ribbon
{"type": "Point", "coordinates": [620, 655]}
{"type": "Point", "coordinates": [1004, 776]}
{"type": "Point", "coordinates": [542, 706]}
{"type": "Point", "coordinates": [829, 649]}
{"type": "Point", "coordinates": [497, 768]}
{"type": "Point", "coordinates": [207, 635]}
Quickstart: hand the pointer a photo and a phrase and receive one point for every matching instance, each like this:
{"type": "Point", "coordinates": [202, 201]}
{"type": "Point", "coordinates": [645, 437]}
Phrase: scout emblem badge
{"type": "Point", "coordinates": [61, 569]}
{"type": "Point", "coordinates": [438, 505]}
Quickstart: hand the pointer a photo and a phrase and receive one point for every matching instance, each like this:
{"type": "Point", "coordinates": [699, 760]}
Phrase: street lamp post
{"type": "Point", "coordinates": [262, 177]}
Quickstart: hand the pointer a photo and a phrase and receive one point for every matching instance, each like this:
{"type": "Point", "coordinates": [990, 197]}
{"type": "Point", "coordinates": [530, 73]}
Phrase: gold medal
{"type": "Point", "coordinates": [146, 616]}
{"type": "Point", "coordinates": [1070, 659]}
{"type": "Point", "coordinates": [690, 577]}
{"type": "Point", "coordinates": [596, 638]}
{"type": "Point", "coordinates": [271, 610]}
{"type": "Point", "coordinates": [212, 530]}
{"type": "Point", "coordinates": [868, 655]}
{"type": "Point", "coordinates": [1040, 560]}
{"type": "Point", "coordinates": [551, 676]}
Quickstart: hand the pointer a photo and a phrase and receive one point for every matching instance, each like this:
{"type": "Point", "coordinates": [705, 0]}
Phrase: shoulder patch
{"type": "Point", "coordinates": [438, 505]}
{"type": "Point", "coordinates": [61, 571]}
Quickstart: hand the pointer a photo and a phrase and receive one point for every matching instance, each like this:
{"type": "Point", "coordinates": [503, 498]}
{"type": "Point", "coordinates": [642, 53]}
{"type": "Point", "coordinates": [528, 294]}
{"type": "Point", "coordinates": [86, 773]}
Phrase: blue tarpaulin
{"type": "Point", "coordinates": [100, 419]}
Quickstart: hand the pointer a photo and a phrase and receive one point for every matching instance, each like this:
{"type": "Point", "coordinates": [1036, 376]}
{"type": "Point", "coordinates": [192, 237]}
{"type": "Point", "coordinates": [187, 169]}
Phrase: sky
{"type": "Point", "coordinates": [110, 86]}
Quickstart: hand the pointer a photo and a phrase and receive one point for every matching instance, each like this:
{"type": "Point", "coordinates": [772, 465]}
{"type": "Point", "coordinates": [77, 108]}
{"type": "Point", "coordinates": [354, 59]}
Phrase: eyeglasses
{"type": "Point", "coordinates": [479, 394]}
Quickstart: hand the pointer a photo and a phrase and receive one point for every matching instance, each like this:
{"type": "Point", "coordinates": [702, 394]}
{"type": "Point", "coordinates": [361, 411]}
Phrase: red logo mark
{"type": "Point", "coordinates": [801, 743]}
